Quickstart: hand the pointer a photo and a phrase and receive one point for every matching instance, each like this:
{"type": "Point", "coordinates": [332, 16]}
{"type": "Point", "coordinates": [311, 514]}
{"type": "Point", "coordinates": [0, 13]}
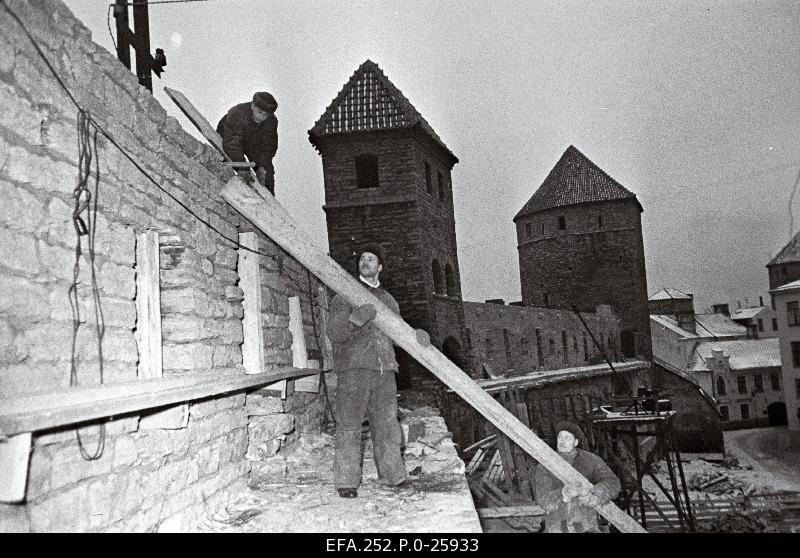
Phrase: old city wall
{"type": "Point", "coordinates": [526, 339]}
{"type": "Point", "coordinates": [144, 479]}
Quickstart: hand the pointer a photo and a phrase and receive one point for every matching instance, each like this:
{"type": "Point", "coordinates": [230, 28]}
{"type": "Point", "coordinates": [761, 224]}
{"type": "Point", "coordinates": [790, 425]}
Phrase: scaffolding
{"type": "Point", "coordinates": [645, 436]}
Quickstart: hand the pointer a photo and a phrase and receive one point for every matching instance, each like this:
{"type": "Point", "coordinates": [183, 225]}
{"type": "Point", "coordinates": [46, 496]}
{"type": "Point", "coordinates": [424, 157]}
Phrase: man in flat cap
{"type": "Point", "coordinates": [252, 129]}
{"type": "Point", "coordinates": [365, 364]}
{"type": "Point", "coordinates": [570, 511]}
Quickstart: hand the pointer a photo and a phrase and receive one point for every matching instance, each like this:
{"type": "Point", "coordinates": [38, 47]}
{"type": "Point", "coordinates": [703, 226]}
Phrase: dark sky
{"type": "Point", "coordinates": [693, 106]}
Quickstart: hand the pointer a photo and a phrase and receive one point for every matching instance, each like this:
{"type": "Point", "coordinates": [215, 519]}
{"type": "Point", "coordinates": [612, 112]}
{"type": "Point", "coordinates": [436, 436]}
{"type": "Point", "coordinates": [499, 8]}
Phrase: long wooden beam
{"type": "Point", "coordinates": [29, 413]}
{"type": "Point", "coordinates": [273, 219]}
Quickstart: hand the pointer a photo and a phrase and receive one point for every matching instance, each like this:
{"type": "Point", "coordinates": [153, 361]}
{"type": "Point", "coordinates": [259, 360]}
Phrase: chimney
{"type": "Point", "coordinates": [686, 321]}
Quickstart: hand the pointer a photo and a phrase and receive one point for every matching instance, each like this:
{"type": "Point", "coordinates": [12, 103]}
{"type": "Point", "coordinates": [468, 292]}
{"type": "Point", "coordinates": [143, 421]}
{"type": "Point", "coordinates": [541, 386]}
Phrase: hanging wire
{"type": "Point", "coordinates": [85, 204]}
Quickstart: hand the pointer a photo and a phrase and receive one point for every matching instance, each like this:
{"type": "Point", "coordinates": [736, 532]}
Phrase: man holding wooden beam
{"type": "Point", "coordinates": [365, 363]}
{"type": "Point", "coordinates": [251, 129]}
{"type": "Point", "coordinates": [568, 510]}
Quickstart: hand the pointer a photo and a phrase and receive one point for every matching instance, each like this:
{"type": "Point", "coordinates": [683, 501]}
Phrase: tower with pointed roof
{"type": "Point", "coordinates": [579, 239]}
{"type": "Point", "coordinates": [387, 178]}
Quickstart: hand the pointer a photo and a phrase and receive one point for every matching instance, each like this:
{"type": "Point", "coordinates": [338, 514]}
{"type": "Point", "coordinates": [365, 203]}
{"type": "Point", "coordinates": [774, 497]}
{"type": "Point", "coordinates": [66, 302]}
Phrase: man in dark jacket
{"type": "Point", "coordinates": [569, 511]}
{"type": "Point", "coordinates": [252, 129]}
{"type": "Point", "coordinates": [365, 363]}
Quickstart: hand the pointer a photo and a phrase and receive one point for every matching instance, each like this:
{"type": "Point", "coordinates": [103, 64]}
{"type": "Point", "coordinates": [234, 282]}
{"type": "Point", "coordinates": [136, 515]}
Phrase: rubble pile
{"type": "Point", "coordinates": [743, 522]}
{"type": "Point", "coordinates": [714, 482]}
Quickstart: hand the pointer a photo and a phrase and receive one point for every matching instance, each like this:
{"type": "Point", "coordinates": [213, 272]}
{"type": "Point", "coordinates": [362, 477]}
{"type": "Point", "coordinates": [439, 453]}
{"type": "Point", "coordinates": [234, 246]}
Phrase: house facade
{"type": "Point", "coordinates": [786, 299]}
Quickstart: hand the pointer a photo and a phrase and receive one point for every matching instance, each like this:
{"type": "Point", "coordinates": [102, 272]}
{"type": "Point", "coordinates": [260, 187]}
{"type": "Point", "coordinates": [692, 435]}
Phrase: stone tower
{"type": "Point", "coordinates": [387, 179]}
{"type": "Point", "coordinates": [580, 242]}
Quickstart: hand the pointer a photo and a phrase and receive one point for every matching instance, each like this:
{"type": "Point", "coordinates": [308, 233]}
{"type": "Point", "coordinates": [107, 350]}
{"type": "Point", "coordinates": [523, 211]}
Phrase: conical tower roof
{"type": "Point", "coordinates": [574, 179]}
{"type": "Point", "coordinates": [370, 102]}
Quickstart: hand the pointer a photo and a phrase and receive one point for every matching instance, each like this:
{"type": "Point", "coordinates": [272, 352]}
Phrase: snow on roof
{"type": "Point", "coordinates": [743, 354]}
{"type": "Point", "coordinates": [747, 313]}
{"type": "Point", "coordinates": [668, 293]}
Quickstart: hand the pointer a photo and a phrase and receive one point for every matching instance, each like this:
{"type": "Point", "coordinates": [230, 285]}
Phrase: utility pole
{"type": "Point", "coordinates": [139, 39]}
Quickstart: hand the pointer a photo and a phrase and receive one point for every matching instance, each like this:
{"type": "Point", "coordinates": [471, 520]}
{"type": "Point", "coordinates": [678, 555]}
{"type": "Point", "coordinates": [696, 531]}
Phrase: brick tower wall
{"type": "Point", "coordinates": [587, 264]}
{"type": "Point", "coordinates": [412, 225]}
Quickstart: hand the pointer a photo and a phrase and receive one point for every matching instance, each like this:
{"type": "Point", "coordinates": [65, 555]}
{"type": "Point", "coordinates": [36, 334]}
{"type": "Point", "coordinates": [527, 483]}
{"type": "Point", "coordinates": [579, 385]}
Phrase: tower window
{"type": "Point", "coordinates": [562, 222]}
{"type": "Point", "coordinates": [723, 410]}
{"type": "Point", "coordinates": [436, 270]}
{"type": "Point", "coordinates": [367, 171]}
{"type": "Point", "coordinates": [600, 221]}
{"type": "Point", "coordinates": [721, 389]}
{"type": "Point", "coordinates": [449, 281]}
{"type": "Point", "coordinates": [542, 229]}
{"type": "Point", "coordinates": [440, 180]}
{"type": "Point", "coordinates": [745, 410]}
{"type": "Point", "coordinates": [545, 300]}
{"type": "Point", "coordinates": [428, 183]}
{"type": "Point", "coordinates": [527, 230]}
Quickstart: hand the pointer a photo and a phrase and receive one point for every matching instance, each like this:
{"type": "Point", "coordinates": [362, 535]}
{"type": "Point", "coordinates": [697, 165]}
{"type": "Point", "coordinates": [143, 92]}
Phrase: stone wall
{"type": "Point", "coordinates": [522, 339]}
{"type": "Point", "coordinates": [586, 264]}
{"type": "Point", "coordinates": [144, 479]}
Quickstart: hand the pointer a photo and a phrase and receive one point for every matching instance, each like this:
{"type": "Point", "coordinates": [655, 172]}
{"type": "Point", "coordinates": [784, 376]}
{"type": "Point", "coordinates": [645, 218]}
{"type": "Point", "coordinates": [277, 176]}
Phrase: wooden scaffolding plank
{"type": "Point", "coordinates": [14, 457]}
{"type": "Point", "coordinates": [30, 413]}
{"type": "Point", "coordinates": [510, 511]}
{"type": "Point", "coordinates": [148, 306]}
{"type": "Point", "coordinates": [269, 216]}
{"type": "Point", "coordinates": [196, 118]}
{"type": "Point", "coordinates": [249, 270]}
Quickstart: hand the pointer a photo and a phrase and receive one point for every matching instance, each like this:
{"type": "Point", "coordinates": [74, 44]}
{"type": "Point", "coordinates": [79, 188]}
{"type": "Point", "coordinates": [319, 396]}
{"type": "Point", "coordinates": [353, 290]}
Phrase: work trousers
{"type": "Point", "coordinates": [361, 392]}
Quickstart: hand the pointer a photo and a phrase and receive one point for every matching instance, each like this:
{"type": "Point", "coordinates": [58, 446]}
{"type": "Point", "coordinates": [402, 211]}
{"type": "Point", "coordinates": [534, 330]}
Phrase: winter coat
{"type": "Point", "coordinates": [242, 136]}
{"type": "Point", "coordinates": [573, 517]}
{"type": "Point", "coordinates": [364, 347]}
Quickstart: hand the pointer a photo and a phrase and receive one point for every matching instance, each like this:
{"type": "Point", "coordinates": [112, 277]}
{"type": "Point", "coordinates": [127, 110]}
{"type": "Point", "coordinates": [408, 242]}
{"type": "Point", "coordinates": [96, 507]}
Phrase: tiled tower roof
{"type": "Point", "coordinates": [370, 102]}
{"type": "Point", "coordinates": [574, 179]}
{"type": "Point", "coordinates": [789, 254]}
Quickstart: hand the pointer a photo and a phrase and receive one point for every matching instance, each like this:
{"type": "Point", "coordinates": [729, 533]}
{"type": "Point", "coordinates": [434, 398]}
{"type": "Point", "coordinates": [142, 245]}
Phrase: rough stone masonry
{"type": "Point", "coordinates": [144, 476]}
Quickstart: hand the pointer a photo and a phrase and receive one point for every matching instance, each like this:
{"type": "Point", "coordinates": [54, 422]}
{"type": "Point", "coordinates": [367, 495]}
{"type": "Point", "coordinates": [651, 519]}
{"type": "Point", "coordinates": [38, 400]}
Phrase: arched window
{"type": "Point", "coordinates": [449, 281]}
{"type": "Point", "coordinates": [436, 270]}
{"type": "Point", "coordinates": [721, 386]}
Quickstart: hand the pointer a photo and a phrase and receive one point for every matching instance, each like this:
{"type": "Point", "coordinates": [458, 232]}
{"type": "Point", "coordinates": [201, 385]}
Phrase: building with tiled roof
{"type": "Point", "coordinates": [387, 177]}
{"type": "Point", "coordinates": [579, 239]}
{"type": "Point", "coordinates": [785, 266]}
{"type": "Point", "coordinates": [574, 180]}
{"type": "Point", "coordinates": [670, 294]}
{"type": "Point", "coordinates": [369, 102]}
{"type": "Point", "coordinates": [745, 378]}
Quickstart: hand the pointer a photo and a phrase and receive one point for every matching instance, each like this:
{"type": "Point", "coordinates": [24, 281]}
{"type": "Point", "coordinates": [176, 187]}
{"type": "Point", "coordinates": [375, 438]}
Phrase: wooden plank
{"type": "Point", "coordinates": [269, 216]}
{"type": "Point", "coordinates": [148, 306]}
{"type": "Point", "coordinates": [249, 271]}
{"type": "Point", "coordinates": [325, 342]}
{"type": "Point", "coordinates": [15, 454]}
{"type": "Point", "coordinates": [196, 118]}
{"type": "Point", "coordinates": [510, 511]}
{"type": "Point", "coordinates": [83, 403]}
{"type": "Point", "coordinates": [309, 384]}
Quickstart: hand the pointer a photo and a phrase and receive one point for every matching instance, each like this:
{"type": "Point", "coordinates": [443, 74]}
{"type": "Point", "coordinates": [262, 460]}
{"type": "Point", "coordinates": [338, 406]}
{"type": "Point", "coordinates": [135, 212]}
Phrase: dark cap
{"type": "Point", "coordinates": [265, 101]}
{"type": "Point", "coordinates": [373, 248]}
{"type": "Point", "coordinates": [573, 429]}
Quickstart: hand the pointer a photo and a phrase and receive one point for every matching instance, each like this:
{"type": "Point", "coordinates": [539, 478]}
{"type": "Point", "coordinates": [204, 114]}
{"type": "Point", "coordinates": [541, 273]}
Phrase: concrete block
{"type": "Point", "coordinates": [13, 518]}
{"type": "Point", "coordinates": [65, 512]}
{"type": "Point", "coordinates": [20, 209]}
{"type": "Point", "coordinates": [260, 404]}
{"type": "Point", "coordinates": [264, 428]}
{"type": "Point", "coordinates": [18, 252]}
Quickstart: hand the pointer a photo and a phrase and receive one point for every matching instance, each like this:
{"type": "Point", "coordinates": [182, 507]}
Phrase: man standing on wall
{"type": "Point", "coordinates": [252, 129]}
{"type": "Point", "coordinates": [569, 511]}
{"type": "Point", "coordinates": [365, 363]}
